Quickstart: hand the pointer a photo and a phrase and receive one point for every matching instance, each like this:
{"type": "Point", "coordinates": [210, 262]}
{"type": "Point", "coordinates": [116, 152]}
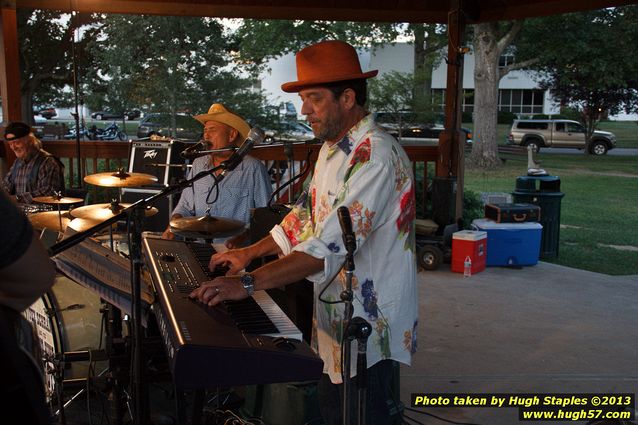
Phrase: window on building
{"type": "Point", "coordinates": [505, 60]}
{"type": "Point", "coordinates": [521, 101]}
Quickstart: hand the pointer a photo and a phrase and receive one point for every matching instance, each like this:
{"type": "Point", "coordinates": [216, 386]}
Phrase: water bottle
{"type": "Point", "coordinates": [467, 267]}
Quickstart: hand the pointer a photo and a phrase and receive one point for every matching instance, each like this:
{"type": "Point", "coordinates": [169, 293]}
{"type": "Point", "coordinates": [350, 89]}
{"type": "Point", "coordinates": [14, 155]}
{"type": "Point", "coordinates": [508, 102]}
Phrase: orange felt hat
{"type": "Point", "coordinates": [326, 62]}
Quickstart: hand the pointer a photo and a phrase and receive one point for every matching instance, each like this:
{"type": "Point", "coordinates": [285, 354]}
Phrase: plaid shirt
{"type": "Point", "coordinates": [47, 181]}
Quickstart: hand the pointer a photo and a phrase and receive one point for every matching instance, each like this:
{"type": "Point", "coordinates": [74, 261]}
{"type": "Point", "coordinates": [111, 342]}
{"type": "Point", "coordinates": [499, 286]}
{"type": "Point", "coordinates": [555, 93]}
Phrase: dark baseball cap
{"type": "Point", "coordinates": [15, 130]}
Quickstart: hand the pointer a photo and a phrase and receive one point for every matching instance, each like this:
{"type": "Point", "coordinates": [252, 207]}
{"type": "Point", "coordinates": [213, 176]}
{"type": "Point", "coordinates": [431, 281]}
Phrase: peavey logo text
{"type": "Point", "coordinates": [150, 153]}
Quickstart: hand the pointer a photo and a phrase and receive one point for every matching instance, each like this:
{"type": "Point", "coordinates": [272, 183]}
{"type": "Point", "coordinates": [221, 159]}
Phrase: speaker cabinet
{"type": "Point", "coordinates": [159, 158]}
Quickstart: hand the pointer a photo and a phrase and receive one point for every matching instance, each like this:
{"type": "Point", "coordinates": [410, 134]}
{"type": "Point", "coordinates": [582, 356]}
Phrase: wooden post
{"type": "Point", "coordinates": [9, 73]}
{"type": "Point", "coordinates": [449, 176]}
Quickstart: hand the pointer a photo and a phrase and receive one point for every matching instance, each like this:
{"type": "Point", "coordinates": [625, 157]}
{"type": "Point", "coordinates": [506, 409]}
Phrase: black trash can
{"type": "Point", "coordinates": [543, 191]}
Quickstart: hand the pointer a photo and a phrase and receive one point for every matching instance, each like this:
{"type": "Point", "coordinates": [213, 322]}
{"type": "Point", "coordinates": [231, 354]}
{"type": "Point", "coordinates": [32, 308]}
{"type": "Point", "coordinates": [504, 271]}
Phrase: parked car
{"type": "Point", "coordinates": [108, 115]}
{"type": "Point", "coordinates": [160, 124]}
{"type": "Point", "coordinates": [427, 134]}
{"type": "Point", "coordinates": [38, 126]}
{"type": "Point", "coordinates": [289, 131]}
{"type": "Point", "coordinates": [558, 134]}
{"type": "Point", "coordinates": [47, 113]}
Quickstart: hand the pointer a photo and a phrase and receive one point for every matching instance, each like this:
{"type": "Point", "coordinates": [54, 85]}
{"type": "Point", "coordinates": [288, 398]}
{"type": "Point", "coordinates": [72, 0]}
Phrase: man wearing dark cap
{"type": "Point", "coordinates": [362, 168]}
{"type": "Point", "coordinates": [35, 171]}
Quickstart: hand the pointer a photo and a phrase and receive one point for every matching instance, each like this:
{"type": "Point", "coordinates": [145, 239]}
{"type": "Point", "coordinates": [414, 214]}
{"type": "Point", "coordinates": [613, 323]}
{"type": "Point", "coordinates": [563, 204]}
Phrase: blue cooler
{"type": "Point", "coordinates": [511, 244]}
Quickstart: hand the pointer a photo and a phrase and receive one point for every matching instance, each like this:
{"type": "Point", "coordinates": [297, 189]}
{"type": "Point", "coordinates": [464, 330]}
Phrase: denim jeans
{"type": "Point", "coordinates": [382, 399]}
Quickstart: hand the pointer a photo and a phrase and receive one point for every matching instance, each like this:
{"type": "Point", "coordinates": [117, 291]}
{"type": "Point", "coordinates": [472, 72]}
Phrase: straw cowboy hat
{"type": "Point", "coordinates": [218, 112]}
{"type": "Point", "coordinates": [326, 62]}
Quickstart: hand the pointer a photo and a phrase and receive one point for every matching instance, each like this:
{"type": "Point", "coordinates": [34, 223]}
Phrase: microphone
{"type": "Point", "coordinates": [255, 137]}
{"type": "Point", "coordinates": [192, 152]}
{"type": "Point", "coordinates": [349, 239]}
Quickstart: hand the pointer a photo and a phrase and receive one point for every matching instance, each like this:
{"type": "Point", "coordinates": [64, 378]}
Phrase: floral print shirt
{"type": "Point", "coordinates": [368, 172]}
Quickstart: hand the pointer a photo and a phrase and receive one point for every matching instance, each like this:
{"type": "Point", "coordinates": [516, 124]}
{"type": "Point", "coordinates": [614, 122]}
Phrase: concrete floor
{"type": "Point", "coordinates": [539, 329]}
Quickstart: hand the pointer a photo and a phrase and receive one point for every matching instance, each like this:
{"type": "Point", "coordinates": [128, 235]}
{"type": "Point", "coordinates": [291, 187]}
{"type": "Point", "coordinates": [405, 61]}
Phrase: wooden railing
{"type": "Point", "coordinates": [102, 156]}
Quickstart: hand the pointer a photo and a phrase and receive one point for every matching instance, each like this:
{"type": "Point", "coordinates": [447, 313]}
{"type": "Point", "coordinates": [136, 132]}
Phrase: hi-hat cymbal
{"type": "Point", "coordinates": [206, 227]}
{"type": "Point", "coordinates": [50, 220]}
{"type": "Point", "coordinates": [103, 212]}
{"type": "Point", "coordinates": [57, 200]}
{"type": "Point", "coordinates": [120, 179]}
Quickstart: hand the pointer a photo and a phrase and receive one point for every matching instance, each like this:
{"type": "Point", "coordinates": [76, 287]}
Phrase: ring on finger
{"type": "Point", "coordinates": [217, 289]}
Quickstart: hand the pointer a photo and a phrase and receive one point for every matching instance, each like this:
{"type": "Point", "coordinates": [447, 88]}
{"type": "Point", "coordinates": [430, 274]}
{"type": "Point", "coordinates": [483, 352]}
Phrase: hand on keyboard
{"type": "Point", "coordinates": [236, 260]}
{"type": "Point", "coordinates": [220, 289]}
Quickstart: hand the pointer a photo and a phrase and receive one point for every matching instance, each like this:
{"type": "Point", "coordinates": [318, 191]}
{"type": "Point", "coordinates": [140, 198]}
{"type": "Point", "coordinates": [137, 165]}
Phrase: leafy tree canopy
{"type": "Point", "coordinates": [166, 63]}
{"type": "Point", "coordinates": [46, 41]}
{"type": "Point", "coordinates": [583, 59]}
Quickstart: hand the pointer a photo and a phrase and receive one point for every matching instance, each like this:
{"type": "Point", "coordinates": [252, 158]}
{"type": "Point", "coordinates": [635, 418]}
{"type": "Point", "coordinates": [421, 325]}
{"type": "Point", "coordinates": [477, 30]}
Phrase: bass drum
{"type": "Point", "coordinates": [63, 320]}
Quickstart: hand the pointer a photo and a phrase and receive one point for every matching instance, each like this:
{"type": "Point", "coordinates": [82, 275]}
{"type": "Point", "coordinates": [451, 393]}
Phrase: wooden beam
{"type": "Point", "coordinates": [418, 11]}
{"type": "Point", "coordinates": [9, 73]}
{"type": "Point", "coordinates": [346, 10]}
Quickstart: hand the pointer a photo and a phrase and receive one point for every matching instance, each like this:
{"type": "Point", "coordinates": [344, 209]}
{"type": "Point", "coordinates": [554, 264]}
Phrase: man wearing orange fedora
{"type": "Point", "coordinates": [362, 168]}
{"type": "Point", "coordinates": [244, 188]}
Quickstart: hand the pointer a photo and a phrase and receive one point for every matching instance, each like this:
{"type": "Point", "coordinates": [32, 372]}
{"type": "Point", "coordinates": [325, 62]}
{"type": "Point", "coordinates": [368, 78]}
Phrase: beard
{"type": "Point", "coordinates": [330, 127]}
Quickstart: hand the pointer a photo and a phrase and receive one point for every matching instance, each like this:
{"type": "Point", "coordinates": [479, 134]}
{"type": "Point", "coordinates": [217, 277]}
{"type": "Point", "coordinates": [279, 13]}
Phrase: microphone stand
{"type": "Point", "coordinates": [136, 212]}
{"type": "Point", "coordinates": [354, 328]}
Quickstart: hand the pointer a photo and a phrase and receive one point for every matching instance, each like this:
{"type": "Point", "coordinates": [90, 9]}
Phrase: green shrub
{"type": "Point", "coordinates": [472, 207]}
{"type": "Point", "coordinates": [505, 117]}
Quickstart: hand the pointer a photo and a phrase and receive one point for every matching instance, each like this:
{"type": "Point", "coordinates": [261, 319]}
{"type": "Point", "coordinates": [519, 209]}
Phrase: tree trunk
{"type": "Point", "coordinates": [426, 47]}
{"type": "Point", "coordinates": [26, 100]}
{"type": "Point", "coordinates": [486, 78]}
{"type": "Point", "coordinates": [489, 44]}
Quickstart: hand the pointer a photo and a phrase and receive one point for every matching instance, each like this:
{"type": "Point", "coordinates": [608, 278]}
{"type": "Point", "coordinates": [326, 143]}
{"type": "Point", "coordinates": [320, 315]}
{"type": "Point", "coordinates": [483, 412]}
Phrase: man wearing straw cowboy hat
{"type": "Point", "coordinates": [246, 187]}
{"type": "Point", "coordinates": [363, 168]}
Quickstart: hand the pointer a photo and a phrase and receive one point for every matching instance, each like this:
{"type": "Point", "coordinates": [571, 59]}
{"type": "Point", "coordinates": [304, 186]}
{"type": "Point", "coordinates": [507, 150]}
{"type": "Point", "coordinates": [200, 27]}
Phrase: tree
{"type": "Point", "coordinates": [46, 47]}
{"type": "Point", "coordinates": [171, 64]}
{"type": "Point", "coordinates": [257, 41]}
{"type": "Point", "coordinates": [392, 92]}
{"type": "Point", "coordinates": [578, 69]}
{"type": "Point", "coordinates": [490, 41]}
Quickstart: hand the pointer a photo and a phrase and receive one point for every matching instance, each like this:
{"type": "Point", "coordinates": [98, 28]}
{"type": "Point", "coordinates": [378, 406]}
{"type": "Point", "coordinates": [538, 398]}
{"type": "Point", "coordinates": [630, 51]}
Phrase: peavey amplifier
{"type": "Point", "coordinates": [159, 158]}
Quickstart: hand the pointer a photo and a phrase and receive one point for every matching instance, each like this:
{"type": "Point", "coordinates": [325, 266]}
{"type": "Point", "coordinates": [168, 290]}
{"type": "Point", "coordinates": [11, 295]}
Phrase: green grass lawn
{"type": "Point", "coordinates": [599, 231]}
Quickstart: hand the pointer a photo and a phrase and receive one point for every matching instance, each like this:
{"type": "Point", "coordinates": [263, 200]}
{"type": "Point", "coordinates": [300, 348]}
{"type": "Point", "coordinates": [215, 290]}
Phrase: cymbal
{"type": "Point", "coordinates": [103, 212]}
{"type": "Point", "coordinates": [57, 200]}
{"type": "Point", "coordinates": [50, 220]}
{"type": "Point", "coordinates": [120, 179]}
{"type": "Point", "coordinates": [206, 227]}
{"type": "Point", "coordinates": [82, 224]}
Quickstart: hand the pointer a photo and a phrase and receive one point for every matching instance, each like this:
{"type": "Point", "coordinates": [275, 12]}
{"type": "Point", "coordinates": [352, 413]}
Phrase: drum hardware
{"type": "Point", "coordinates": [59, 200]}
{"type": "Point", "coordinates": [140, 413]}
{"type": "Point", "coordinates": [182, 166]}
{"type": "Point", "coordinates": [207, 227]}
{"type": "Point", "coordinates": [103, 212]}
{"type": "Point", "coordinates": [120, 179]}
{"type": "Point", "coordinates": [54, 220]}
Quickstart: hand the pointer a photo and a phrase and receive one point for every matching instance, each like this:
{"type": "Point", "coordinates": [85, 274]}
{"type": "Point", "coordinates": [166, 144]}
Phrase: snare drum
{"type": "Point", "coordinates": [65, 319]}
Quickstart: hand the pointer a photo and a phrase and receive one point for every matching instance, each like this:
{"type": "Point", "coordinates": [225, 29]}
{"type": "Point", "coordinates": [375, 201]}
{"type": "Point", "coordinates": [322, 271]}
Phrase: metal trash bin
{"type": "Point", "coordinates": [543, 191]}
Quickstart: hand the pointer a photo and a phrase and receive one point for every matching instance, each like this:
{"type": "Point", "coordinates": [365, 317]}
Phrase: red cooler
{"type": "Point", "coordinates": [469, 243]}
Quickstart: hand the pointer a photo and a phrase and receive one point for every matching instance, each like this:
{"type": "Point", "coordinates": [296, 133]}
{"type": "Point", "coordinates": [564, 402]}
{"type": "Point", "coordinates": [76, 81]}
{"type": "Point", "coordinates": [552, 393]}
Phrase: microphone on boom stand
{"type": "Point", "coordinates": [355, 327]}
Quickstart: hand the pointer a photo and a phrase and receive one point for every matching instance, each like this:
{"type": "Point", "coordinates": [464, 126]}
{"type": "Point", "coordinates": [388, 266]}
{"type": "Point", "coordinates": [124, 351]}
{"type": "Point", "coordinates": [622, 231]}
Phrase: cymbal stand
{"type": "Point", "coordinates": [58, 195]}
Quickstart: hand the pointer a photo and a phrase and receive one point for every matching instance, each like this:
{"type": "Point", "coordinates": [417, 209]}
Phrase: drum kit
{"type": "Point", "coordinates": [84, 217]}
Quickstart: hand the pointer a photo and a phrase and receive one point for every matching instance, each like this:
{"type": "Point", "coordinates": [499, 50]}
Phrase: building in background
{"type": "Point", "coordinates": [518, 90]}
